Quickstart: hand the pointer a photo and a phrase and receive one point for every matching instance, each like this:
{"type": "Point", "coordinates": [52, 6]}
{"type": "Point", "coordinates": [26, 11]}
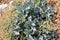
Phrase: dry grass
{"type": "Point", "coordinates": [6, 21]}
{"type": "Point", "coordinates": [6, 24]}
{"type": "Point", "coordinates": [56, 4]}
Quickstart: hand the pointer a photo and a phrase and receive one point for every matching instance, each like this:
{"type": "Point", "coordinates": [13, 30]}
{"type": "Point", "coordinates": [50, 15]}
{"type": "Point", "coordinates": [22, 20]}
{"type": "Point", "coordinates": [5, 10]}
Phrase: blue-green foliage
{"type": "Point", "coordinates": [30, 15]}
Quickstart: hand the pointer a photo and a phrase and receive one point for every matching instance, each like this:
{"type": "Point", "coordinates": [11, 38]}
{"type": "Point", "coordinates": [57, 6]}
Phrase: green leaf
{"type": "Point", "coordinates": [20, 15]}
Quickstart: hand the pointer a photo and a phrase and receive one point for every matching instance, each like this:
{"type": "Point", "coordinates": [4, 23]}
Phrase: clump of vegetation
{"type": "Point", "coordinates": [29, 25]}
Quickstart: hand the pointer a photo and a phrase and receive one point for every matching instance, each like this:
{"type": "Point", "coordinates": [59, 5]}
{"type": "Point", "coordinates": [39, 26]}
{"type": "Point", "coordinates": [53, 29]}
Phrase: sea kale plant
{"type": "Point", "coordinates": [31, 16]}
